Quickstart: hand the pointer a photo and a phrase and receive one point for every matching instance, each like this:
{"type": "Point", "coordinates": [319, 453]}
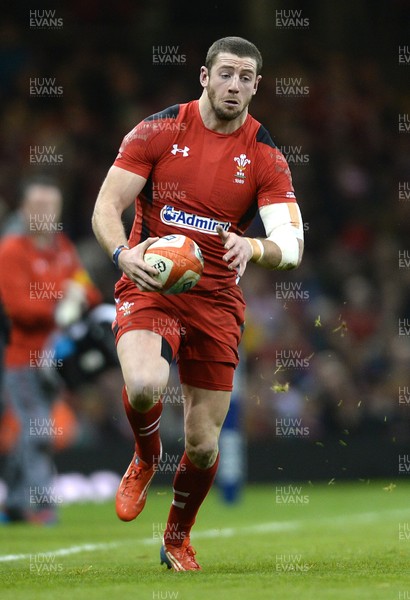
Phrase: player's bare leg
{"type": "Point", "coordinates": [205, 412]}
{"type": "Point", "coordinates": [145, 374]}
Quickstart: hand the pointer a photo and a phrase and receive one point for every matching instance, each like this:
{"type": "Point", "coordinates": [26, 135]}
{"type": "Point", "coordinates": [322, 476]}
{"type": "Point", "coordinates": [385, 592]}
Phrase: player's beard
{"type": "Point", "coordinates": [223, 114]}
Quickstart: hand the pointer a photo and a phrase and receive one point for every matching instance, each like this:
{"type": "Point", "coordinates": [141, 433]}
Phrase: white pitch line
{"type": "Point", "coordinates": [62, 551]}
{"type": "Point", "coordinates": [270, 527]}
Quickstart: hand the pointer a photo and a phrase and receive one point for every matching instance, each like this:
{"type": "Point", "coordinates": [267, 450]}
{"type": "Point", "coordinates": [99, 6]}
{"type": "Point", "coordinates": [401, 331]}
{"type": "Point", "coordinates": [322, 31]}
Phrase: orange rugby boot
{"type": "Point", "coordinates": [179, 558]}
{"type": "Point", "coordinates": [132, 491]}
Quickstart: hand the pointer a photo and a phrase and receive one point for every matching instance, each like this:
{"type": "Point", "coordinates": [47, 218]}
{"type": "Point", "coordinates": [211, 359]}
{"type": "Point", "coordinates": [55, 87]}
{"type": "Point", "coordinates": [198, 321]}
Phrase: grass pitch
{"type": "Point", "coordinates": [320, 541]}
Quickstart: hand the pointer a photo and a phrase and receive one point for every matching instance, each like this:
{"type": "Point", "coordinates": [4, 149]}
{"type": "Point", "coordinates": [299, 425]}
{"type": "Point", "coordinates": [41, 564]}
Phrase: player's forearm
{"type": "Point", "coordinates": [118, 191]}
{"type": "Point", "coordinates": [268, 254]}
{"type": "Point", "coordinates": [283, 247]}
{"type": "Point", "coordinates": [107, 225]}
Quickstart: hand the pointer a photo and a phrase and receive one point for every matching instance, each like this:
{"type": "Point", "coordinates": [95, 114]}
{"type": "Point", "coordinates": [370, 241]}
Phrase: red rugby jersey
{"type": "Point", "coordinates": [198, 178]}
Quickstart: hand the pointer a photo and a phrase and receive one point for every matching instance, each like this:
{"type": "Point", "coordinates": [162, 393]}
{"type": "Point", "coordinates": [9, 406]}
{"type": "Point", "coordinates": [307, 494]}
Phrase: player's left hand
{"type": "Point", "coordinates": [239, 250]}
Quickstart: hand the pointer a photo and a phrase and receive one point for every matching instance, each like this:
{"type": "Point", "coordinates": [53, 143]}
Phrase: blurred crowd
{"type": "Point", "coordinates": [322, 345]}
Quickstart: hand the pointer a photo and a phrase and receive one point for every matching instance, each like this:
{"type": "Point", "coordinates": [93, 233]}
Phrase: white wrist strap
{"type": "Point", "coordinates": [262, 248]}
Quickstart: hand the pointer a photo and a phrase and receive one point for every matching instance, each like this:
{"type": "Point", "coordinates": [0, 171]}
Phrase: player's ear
{"type": "Point", "coordinates": [255, 87]}
{"type": "Point", "coordinates": [204, 77]}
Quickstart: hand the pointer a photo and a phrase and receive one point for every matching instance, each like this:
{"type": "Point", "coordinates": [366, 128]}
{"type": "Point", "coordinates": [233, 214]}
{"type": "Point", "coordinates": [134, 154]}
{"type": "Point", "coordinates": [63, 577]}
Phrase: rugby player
{"type": "Point", "coordinates": [220, 167]}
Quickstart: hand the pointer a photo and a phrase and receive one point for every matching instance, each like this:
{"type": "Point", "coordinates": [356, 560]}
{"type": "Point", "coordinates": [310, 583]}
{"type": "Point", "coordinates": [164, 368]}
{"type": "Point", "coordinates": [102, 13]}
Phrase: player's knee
{"type": "Point", "coordinates": [143, 391]}
{"type": "Point", "coordinates": [202, 454]}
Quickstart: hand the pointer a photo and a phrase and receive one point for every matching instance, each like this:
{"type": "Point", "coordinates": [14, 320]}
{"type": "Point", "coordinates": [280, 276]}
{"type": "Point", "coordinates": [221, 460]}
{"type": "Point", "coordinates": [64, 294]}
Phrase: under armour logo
{"type": "Point", "coordinates": [175, 149]}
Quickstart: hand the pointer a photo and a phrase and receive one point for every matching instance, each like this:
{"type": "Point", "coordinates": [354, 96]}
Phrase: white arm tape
{"type": "Point", "coordinates": [284, 237]}
{"type": "Point", "coordinates": [283, 226]}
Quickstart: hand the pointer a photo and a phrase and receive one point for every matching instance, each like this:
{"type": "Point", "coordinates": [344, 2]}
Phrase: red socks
{"type": "Point", "coordinates": [191, 486]}
{"type": "Point", "coordinates": [146, 430]}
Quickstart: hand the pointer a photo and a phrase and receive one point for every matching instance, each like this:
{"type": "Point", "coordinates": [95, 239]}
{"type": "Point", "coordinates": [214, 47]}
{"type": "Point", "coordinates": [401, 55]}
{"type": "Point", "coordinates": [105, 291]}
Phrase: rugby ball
{"type": "Point", "coordinates": [179, 263]}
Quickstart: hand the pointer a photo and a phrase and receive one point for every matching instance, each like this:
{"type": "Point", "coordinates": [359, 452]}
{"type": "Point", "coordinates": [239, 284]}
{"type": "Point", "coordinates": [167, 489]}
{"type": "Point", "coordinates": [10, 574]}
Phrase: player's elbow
{"type": "Point", "coordinates": [288, 247]}
{"type": "Point", "coordinates": [297, 262]}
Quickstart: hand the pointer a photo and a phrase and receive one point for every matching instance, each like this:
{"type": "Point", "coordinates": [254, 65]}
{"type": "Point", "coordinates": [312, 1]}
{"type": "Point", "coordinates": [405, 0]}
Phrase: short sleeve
{"type": "Point", "coordinates": [137, 150]}
{"type": "Point", "coordinates": [274, 179]}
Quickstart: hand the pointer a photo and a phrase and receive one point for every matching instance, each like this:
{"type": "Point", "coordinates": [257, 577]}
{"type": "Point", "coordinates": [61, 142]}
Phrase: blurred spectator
{"type": "Point", "coordinates": [43, 286]}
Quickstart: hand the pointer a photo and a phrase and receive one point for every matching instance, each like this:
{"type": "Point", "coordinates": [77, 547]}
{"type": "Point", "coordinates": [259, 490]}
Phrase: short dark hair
{"type": "Point", "coordinates": [234, 45]}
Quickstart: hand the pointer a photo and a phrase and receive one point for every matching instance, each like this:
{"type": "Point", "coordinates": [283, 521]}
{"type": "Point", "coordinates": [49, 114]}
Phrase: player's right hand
{"type": "Point", "coordinates": [132, 263]}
